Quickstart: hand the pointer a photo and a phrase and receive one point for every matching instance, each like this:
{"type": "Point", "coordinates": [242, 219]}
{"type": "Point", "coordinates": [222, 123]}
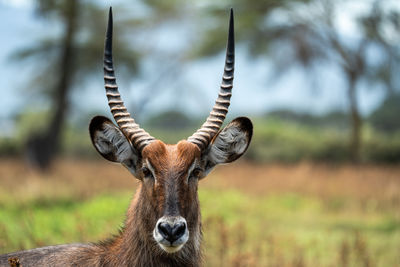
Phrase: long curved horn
{"type": "Point", "coordinates": [203, 136]}
{"type": "Point", "coordinates": [128, 126]}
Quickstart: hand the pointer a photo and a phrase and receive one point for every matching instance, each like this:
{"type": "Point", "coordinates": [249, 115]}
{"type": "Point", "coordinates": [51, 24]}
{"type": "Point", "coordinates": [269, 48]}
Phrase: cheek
{"type": "Point", "coordinates": [148, 185]}
{"type": "Point", "coordinates": [154, 194]}
{"type": "Point", "coordinates": [189, 197]}
{"type": "Point", "coordinates": [192, 184]}
{"type": "Point", "coordinates": [192, 211]}
{"type": "Point", "coordinates": [158, 194]}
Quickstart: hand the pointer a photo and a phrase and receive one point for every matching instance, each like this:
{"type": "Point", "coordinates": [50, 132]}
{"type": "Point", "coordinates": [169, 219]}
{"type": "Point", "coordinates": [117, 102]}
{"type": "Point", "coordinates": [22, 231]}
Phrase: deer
{"type": "Point", "coordinates": [163, 221]}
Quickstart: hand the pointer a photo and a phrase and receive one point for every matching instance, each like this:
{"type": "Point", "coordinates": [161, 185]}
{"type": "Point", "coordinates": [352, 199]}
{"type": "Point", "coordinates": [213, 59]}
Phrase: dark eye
{"type": "Point", "coordinates": [196, 173]}
{"type": "Point", "coordinates": [146, 172]}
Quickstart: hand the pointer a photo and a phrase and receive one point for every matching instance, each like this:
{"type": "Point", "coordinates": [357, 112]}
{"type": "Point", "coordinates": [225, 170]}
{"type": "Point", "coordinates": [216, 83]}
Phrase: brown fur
{"type": "Point", "coordinates": [170, 193]}
{"type": "Point", "coordinates": [135, 246]}
{"type": "Point", "coordinates": [169, 189]}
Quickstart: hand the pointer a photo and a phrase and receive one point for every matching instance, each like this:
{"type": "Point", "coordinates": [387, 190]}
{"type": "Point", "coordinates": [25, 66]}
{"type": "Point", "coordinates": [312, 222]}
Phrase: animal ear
{"type": "Point", "coordinates": [111, 143]}
{"type": "Point", "coordinates": [230, 143]}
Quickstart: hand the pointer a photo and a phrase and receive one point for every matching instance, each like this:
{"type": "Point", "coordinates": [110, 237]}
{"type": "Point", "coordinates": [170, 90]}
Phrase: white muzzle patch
{"type": "Point", "coordinates": [171, 233]}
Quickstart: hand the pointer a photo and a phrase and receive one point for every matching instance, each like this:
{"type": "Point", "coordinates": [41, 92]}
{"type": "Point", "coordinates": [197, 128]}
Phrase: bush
{"type": "Point", "coordinates": [386, 117]}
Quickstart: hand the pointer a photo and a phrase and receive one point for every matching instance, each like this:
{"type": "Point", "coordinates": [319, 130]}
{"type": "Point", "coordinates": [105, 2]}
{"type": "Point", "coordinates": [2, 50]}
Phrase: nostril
{"type": "Point", "coordinates": [165, 230]}
{"type": "Point", "coordinates": [178, 230]}
{"type": "Point", "coordinates": [171, 233]}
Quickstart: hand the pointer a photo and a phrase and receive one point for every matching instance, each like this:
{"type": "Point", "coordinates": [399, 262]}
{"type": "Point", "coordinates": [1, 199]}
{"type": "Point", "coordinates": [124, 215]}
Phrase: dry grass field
{"type": "Point", "coordinates": [253, 215]}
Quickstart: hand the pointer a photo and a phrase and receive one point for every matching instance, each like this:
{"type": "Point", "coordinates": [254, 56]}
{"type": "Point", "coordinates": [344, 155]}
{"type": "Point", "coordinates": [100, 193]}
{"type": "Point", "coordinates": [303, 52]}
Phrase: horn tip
{"type": "Point", "coordinates": [231, 34]}
{"type": "Point", "coordinates": [109, 31]}
{"type": "Point", "coordinates": [110, 17]}
{"type": "Point", "coordinates": [231, 17]}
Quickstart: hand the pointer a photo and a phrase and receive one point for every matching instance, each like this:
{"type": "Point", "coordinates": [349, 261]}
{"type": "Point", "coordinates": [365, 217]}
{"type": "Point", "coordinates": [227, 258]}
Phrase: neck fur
{"type": "Point", "coordinates": [135, 245]}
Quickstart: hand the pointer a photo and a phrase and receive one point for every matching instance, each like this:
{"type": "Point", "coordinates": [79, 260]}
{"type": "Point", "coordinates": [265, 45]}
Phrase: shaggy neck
{"type": "Point", "coordinates": [135, 245]}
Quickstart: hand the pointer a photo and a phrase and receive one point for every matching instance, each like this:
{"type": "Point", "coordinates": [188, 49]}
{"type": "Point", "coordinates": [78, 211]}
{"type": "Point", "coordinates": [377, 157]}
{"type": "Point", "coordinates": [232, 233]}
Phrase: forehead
{"type": "Point", "coordinates": [161, 155]}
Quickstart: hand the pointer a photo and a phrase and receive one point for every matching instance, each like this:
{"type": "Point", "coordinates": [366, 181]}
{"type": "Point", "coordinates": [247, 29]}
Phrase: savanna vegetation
{"type": "Point", "coordinates": [253, 215]}
{"type": "Point", "coordinates": [280, 136]}
{"type": "Point", "coordinates": [312, 190]}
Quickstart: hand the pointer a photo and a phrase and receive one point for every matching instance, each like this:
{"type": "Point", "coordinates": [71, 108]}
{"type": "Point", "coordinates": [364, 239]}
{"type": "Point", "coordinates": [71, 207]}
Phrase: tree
{"type": "Point", "coordinates": [382, 26]}
{"type": "Point", "coordinates": [67, 61]}
{"type": "Point", "coordinates": [304, 33]}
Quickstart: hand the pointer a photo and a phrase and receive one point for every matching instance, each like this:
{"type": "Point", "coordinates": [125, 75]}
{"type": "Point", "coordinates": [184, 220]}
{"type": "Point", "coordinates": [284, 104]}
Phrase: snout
{"type": "Point", "coordinates": [171, 233]}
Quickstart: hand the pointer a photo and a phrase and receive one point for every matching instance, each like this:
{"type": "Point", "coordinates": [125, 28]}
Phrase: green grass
{"type": "Point", "coordinates": [53, 221]}
{"type": "Point", "coordinates": [288, 229]}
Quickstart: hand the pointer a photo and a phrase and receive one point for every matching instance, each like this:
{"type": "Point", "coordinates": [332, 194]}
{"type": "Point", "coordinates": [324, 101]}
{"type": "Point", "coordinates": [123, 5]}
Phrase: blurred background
{"type": "Point", "coordinates": [320, 183]}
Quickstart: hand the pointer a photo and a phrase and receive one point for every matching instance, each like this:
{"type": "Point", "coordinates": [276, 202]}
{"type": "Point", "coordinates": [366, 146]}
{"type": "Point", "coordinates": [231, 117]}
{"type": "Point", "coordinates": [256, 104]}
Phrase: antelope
{"type": "Point", "coordinates": [163, 221]}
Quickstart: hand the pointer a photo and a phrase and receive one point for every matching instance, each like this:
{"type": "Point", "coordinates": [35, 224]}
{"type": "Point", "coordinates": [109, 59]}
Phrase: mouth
{"type": "Point", "coordinates": [171, 233]}
{"type": "Point", "coordinates": [171, 249]}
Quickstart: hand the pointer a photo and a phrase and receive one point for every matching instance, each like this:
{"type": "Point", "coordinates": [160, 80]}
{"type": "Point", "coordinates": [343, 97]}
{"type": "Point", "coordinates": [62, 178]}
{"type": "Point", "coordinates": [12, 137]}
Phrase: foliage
{"type": "Point", "coordinates": [64, 61]}
{"type": "Point", "coordinates": [280, 136]}
{"type": "Point", "coordinates": [305, 34]}
{"type": "Point", "coordinates": [335, 119]}
{"type": "Point", "coordinates": [386, 117]}
{"type": "Point", "coordinates": [292, 141]}
{"type": "Point", "coordinates": [170, 120]}
{"type": "Point", "coordinates": [87, 45]}
{"type": "Point", "coordinates": [293, 33]}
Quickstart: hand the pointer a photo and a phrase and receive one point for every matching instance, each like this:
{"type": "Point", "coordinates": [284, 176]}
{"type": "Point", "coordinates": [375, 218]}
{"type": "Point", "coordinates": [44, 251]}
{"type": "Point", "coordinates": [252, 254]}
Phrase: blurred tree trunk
{"type": "Point", "coordinates": [42, 147]}
{"type": "Point", "coordinates": [355, 140]}
{"type": "Point", "coordinates": [354, 67]}
{"type": "Point", "coordinates": [62, 62]}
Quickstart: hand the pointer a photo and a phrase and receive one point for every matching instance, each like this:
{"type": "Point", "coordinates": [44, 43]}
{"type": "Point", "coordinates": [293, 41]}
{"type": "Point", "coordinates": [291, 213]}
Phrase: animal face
{"type": "Point", "coordinates": [169, 174]}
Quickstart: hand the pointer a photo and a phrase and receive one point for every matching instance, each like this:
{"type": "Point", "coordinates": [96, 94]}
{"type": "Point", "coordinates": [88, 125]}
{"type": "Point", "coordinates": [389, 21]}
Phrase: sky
{"type": "Point", "coordinates": [253, 93]}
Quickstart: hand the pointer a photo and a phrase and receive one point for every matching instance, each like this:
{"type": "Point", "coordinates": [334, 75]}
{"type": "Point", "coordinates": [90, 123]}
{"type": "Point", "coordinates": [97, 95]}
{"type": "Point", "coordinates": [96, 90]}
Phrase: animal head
{"type": "Point", "coordinates": [169, 174]}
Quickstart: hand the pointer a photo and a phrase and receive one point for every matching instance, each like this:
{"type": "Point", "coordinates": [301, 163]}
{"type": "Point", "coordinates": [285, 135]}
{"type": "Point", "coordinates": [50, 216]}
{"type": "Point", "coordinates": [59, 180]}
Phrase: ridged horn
{"type": "Point", "coordinates": [126, 123]}
{"type": "Point", "coordinates": [203, 136]}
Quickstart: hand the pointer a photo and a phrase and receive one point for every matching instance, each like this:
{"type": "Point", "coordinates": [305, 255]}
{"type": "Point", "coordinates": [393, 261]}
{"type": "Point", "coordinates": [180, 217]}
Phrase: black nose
{"type": "Point", "coordinates": [172, 233]}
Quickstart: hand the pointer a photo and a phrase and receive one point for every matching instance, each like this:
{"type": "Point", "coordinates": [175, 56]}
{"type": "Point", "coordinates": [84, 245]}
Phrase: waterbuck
{"type": "Point", "coordinates": [163, 222]}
